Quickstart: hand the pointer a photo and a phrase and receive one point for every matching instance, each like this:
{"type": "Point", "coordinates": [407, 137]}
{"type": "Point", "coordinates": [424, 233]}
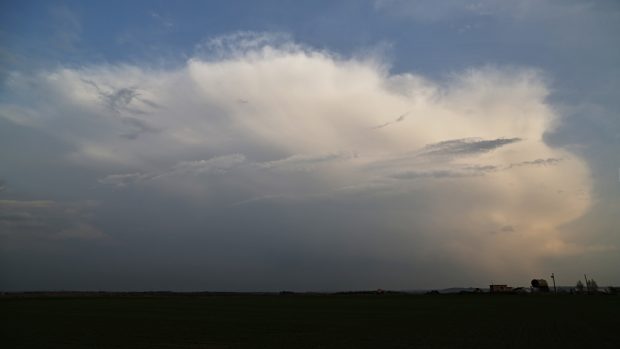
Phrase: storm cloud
{"type": "Point", "coordinates": [45, 219]}
{"type": "Point", "coordinates": [298, 184]}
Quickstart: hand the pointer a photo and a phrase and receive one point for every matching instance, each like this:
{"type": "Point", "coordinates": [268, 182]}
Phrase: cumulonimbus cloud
{"type": "Point", "coordinates": [463, 145]}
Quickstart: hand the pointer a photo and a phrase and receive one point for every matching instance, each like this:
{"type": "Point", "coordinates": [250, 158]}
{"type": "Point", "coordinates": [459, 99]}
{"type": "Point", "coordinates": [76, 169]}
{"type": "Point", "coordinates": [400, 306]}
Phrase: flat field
{"type": "Point", "coordinates": [309, 321]}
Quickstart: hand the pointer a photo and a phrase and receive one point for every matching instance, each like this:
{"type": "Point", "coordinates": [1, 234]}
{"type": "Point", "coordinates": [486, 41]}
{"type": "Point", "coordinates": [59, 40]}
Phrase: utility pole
{"type": "Point", "coordinates": [554, 289]}
{"type": "Point", "coordinates": [587, 284]}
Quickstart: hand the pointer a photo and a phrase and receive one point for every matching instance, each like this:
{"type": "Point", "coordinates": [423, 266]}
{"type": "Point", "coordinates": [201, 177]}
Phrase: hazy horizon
{"type": "Point", "coordinates": [331, 145]}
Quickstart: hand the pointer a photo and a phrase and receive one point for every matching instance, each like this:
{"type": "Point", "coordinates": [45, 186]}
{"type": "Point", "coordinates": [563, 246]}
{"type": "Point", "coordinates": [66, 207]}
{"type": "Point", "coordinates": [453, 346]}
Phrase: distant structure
{"type": "Point", "coordinates": [500, 289]}
{"type": "Point", "coordinates": [521, 290]}
{"type": "Point", "coordinates": [540, 285]}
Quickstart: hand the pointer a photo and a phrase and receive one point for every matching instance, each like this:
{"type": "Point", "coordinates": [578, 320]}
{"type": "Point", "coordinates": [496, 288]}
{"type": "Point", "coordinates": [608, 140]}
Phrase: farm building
{"type": "Point", "coordinates": [500, 289]}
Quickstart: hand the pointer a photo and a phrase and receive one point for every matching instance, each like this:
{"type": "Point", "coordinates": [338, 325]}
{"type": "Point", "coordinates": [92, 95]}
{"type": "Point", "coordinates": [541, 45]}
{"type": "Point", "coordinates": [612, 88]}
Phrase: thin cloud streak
{"type": "Point", "coordinates": [465, 146]}
{"type": "Point", "coordinates": [401, 118]}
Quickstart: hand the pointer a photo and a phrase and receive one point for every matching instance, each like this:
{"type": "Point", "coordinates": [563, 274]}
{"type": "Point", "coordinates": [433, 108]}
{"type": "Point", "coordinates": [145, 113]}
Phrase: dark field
{"type": "Point", "coordinates": [310, 321]}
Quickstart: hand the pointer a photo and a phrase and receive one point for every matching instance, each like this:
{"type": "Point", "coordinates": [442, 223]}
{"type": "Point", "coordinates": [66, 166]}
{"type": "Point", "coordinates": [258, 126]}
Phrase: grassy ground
{"type": "Point", "coordinates": [310, 321]}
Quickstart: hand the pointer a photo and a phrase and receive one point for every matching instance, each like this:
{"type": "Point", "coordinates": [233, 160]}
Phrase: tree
{"type": "Point", "coordinates": [592, 286]}
{"type": "Point", "coordinates": [579, 286]}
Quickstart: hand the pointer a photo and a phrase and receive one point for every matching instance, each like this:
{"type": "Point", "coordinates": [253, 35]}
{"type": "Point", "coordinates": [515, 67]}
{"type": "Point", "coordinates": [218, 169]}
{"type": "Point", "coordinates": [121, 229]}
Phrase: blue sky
{"type": "Point", "coordinates": [307, 145]}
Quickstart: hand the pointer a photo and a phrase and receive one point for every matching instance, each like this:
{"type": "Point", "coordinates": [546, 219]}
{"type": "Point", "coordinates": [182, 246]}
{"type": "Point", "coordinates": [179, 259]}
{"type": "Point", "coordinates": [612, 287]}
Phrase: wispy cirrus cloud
{"type": "Point", "coordinates": [216, 165]}
{"type": "Point", "coordinates": [537, 162]}
{"type": "Point", "coordinates": [304, 161]}
{"type": "Point", "coordinates": [221, 165]}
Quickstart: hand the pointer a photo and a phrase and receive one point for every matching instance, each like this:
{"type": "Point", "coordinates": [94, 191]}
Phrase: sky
{"type": "Point", "coordinates": [308, 146]}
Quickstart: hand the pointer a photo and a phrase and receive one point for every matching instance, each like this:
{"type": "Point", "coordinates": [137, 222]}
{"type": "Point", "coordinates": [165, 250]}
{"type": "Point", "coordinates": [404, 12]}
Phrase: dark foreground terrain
{"type": "Point", "coordinates": [309, 321]}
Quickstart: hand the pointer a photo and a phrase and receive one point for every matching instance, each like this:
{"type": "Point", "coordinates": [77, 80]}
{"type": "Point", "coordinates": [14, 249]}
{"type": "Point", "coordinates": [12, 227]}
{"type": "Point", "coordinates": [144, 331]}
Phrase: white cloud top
{"type": "Point", "coordinates": [446, 165]}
